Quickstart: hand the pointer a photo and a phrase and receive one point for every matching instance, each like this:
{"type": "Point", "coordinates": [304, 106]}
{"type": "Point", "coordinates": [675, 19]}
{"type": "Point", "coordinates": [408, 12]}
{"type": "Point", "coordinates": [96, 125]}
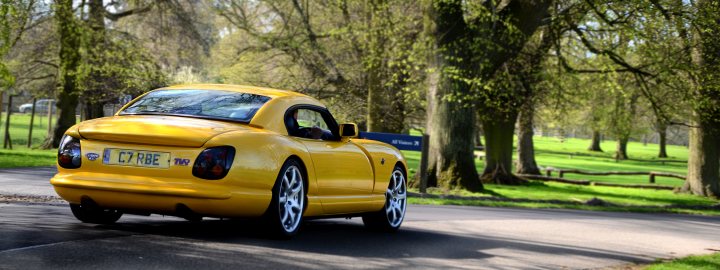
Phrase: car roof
{"type": "Point", "coordinates": [271, 115]}
{"type": "Point", "coordinates": [264, 91]}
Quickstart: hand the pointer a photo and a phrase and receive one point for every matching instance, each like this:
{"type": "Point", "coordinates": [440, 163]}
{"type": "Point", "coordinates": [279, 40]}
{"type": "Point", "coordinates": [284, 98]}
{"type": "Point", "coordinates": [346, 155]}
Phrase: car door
{"type": "Point", "coordinates": [344, 175]}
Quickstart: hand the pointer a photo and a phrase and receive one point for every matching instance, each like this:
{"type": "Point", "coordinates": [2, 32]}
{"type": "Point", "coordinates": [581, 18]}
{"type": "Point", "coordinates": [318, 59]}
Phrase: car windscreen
{"type": "Point", "coordinates": [210, 104]}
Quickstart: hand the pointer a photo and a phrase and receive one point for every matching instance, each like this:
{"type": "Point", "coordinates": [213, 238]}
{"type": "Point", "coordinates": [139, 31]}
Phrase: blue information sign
{"type": "Point", "coordinates": [400, 141]}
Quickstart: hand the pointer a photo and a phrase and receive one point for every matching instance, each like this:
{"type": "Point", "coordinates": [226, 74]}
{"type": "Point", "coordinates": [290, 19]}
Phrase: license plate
{"type": "Point", "coordinates": [137, 158]}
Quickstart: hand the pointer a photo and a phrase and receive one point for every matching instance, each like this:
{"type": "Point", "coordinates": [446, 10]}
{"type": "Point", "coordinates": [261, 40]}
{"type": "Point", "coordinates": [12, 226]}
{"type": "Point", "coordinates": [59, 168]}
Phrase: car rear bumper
{"type": "Point", "coordinates": [149, 195]}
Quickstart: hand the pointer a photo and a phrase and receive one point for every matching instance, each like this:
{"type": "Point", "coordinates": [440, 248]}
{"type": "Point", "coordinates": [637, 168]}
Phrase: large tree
{"type": "Point", "coordinates": [704, 158]}
{"type": "Point", "coordinates": [526, 73]}
{"type": "Point", "coordinates": [70, 41]}
{"type": "Point", "coordinates": [470, 45]}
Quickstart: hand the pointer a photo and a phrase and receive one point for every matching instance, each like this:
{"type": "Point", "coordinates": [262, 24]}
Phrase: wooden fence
{"type": "Point", "coordinates": [651, 175]}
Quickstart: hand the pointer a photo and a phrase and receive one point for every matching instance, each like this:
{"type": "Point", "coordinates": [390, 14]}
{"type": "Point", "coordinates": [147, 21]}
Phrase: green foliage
{"type": "Point", "coordinates": [13, 17]}
{"type": "Point", "coordinates": [118, 66]}
{"type": "Point", "coordinates": [337, 51]}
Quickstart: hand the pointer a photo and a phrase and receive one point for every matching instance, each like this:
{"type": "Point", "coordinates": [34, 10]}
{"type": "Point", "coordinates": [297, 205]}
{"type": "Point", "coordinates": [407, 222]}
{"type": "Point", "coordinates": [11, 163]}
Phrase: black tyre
{"type": "Point", "coordinates": [391, 216]}
{"type": "Point", "coordinates": [284, 216]}
{"type": "Point", "coordinates": [94, 214]}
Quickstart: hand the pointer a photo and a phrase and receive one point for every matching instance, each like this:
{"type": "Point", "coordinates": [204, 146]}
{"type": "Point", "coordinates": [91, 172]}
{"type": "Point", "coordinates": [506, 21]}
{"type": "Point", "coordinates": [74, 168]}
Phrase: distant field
{"type": "Point", "coordinates": [572, 154]}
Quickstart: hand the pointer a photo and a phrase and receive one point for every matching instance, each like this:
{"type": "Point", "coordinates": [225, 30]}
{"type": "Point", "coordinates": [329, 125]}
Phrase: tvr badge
{"type": "Point", "coordinates": [182, 161]}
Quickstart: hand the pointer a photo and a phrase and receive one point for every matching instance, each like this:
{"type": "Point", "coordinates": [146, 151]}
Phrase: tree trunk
{"type": "Point", "coordinates": [93, 110]}
{"type": "Point", "coordinates": [662, 132]}
{"type": "Point", "coordinates": [704, 161]}
{"type": "Point", "coordinates": [525, 150]}
{"type": "Point", "coordinates": [595, 143]}
{"type": "Point", "coordinates": [498, 151]}
{"type": "Point", "coordinates": [621, 150]}
{"type": "Point", "coordinates": [385, 101]}
{"type": "Point", "coordinates": [376, 98]}
{"type": "Point", "coordinates": [478, 132]}
{"type": "Point", "coordinates": [703, 176]}
{"type": "Point", "coordinates": [97, 81]}
{"type": "Point", "coordinates": [451, 161]}
{"type": "Point", "coordinates": [69, 63]}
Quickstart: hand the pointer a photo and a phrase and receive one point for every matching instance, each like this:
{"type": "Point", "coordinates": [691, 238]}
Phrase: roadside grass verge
{"type": "Point", "coordinates": [22, 157]}
{"type": "Point", "coordinates": [701, 262]}
{"type": "Point", "coordinates": [559, 195]}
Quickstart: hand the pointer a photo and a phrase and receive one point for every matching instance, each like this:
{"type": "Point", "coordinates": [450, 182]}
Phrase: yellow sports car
{"type": "Point", "coordinates": [197, 151]}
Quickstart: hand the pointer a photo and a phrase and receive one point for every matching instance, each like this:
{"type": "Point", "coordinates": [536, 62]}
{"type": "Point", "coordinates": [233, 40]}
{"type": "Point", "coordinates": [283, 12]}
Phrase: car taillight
{"type": "Point", "coordinates": [214, 163]}
{"type": "Point", "coordinates": [69, 155]}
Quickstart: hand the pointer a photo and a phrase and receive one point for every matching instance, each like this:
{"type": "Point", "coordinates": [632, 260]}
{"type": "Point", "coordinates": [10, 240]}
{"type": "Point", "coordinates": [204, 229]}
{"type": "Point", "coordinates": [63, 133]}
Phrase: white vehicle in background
{"type": "Point", "coordinates": [42, 106]}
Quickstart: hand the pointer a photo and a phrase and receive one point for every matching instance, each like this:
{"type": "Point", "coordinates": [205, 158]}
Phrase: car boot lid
{"type": "Point", "coordinates": [155, 130]}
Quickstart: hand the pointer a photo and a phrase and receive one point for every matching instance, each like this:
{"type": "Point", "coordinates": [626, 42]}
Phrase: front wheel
{"type": "Point", "coordinates": [95, 215]}
{"type": "Point", "coordinates": [288, 201]}
{"type": "Point", "coordinates": [391, 216]}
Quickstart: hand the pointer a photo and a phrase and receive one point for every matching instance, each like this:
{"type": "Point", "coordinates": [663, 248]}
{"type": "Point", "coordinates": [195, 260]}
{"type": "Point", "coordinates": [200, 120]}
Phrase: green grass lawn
{"type": "Point", "coordinates": [703, 262]}
{"type": "Point", "coordinates": [21, 156]}
{"type": "Point", "coordinates": [572, 154]}
{"type": "Point", "coordinates": [20, 127]}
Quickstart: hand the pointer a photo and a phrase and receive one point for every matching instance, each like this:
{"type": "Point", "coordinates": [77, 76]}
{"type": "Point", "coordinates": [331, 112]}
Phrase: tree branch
{"type": "Point", "coordinates": [617, 59]}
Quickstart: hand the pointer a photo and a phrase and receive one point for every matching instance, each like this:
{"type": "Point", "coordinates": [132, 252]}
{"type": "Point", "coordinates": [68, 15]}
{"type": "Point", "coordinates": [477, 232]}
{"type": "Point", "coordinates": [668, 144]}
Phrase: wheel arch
{"type": "Point", "coordinates": [404, 168]}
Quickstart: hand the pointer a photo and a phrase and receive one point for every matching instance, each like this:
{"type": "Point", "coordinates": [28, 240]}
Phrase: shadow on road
{"type": "Point", "coordinates": [352, 239]}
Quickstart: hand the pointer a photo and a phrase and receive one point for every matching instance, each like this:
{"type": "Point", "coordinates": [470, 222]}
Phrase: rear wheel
{"type": "Point", "coordinates": [391, 216]}
{"type": "Point", "coordinates": [288, 202]}
{"type": "Point", "coordinates": [89, 214]}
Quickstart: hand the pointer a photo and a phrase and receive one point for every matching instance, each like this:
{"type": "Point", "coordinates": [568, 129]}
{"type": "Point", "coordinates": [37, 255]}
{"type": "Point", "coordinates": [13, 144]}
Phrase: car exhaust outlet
{"type": "Point", "coordinates": [185, 212]}
{"type": "Point", "coordinates": [88, 203]}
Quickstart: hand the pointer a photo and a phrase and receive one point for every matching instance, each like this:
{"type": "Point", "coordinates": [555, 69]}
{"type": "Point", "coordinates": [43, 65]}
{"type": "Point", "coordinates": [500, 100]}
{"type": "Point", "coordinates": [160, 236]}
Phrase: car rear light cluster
{"type": "Point", "coordinates": [69, 155]}
{"type": "Point", "coordinates": [214, 163]}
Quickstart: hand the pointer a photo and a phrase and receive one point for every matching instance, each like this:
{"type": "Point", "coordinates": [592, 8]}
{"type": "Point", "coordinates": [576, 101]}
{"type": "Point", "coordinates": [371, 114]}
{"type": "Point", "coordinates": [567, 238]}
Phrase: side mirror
{"type": "Point", "coordinates": [349, 130]}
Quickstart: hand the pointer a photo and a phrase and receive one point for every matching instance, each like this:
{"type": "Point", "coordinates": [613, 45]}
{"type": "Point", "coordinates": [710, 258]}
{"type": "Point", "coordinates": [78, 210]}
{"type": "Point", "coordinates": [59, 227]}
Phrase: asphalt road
{"type": "Point", "coordinates": [41, 236]}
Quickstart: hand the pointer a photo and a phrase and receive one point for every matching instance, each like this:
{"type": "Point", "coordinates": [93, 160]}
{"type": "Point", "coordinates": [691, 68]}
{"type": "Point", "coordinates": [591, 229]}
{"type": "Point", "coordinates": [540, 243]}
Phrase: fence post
{"type": "Point", "coordinates": [32, 120]}
{"type": "Point", "coordinates": [51, 108]}
{"type": "Point", "coordinates": [424, 162]}
{"type": "Point", "coordinates": [652, 178]}
{"type": "Point", "coordinates": [1, 102]}
{"type": "Point", "coordinates": [7, 143]}
{"type": "Point", "coordinates": [548, 172]}
{"type": "Point", "coordinates": [560, 173]}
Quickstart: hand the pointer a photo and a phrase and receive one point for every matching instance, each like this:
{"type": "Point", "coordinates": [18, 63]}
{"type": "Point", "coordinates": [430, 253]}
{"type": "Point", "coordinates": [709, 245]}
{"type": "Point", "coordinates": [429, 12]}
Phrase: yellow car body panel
{"type": "Point", "coordinates": [343, 177]}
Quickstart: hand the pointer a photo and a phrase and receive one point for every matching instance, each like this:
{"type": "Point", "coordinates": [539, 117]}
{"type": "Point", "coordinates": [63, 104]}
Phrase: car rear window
{"type": "Point", "coordinates": [210, 104]}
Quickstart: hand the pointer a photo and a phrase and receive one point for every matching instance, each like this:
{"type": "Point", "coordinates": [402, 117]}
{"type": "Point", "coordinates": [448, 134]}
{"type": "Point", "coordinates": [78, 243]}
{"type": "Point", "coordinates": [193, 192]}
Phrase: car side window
{"type": "Point", "coordinates": [309, 118]}
{"type": "Point", "coordinates": [310, 124]}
